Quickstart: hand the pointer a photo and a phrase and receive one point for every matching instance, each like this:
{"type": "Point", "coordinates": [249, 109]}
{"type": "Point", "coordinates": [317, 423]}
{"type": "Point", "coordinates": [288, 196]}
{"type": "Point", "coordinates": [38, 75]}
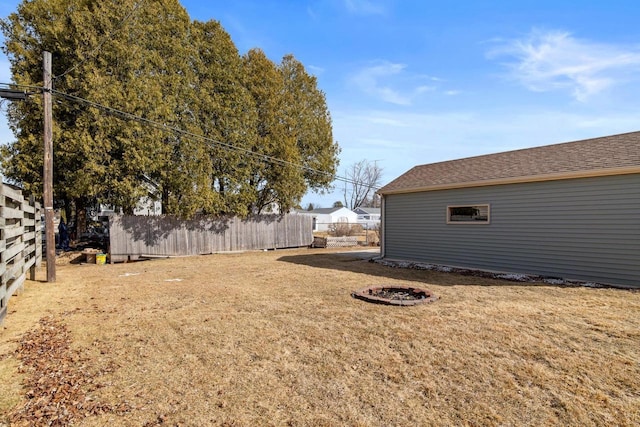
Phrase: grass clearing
{"type": "Point", "coordinates": [274, 338]}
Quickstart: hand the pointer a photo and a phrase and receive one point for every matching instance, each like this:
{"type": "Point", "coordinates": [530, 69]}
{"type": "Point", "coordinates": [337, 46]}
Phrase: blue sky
{"type": "Point", "coordinates": [414, 82]}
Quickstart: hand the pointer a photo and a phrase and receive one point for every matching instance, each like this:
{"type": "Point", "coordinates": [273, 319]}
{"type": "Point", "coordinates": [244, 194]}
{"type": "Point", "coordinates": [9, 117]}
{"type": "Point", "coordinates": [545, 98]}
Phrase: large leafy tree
{"type": "Point", "coordinates": [142, 72]}
{"type": "Point", "coordinates": [147, 58]}
{"type": "Point", "coordinates": [272, 182]}
{"type": "Point", "coordinates": [121, 53]}
{"type": "Point", "coordinates": [294, 126]}
{"type": "Point", "coordinates": [26, 37]}
{"type": "Point", "coordinates": [310, 125]}
{"type": "Point", "coordinates": [224, 115]}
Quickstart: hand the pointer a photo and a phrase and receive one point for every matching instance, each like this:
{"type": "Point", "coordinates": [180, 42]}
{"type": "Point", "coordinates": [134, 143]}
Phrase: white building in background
{"type": "Point", "coordinates": [145, 207]}
{"type": "Point", "coordinates": [148, 206]}
{"type": "Point", "coordinates": [323, 218]}
{"type": "Point", "coordinates": [368, 218]}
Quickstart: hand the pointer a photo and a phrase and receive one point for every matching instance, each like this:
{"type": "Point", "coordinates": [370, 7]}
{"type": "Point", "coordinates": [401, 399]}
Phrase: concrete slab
{"type": "Point", "coordinates": [362, 254]}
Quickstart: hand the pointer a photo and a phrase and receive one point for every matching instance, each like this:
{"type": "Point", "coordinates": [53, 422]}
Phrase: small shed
{"type": "Point", "coordinates": [569, 210]}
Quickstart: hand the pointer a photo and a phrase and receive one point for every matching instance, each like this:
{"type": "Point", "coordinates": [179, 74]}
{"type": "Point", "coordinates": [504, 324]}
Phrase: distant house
{"type": "Point", "coordinates": [368, 217]}
{"type": "Point", "coordinates": [323, 218]}
{"type": "Point", "coordinates": [568, 210]}
{"type": "Point", "coordinates": [148, 206]}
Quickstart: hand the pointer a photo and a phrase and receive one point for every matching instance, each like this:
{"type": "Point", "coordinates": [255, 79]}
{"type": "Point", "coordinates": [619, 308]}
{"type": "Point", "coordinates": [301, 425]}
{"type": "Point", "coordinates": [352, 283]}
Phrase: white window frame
{"type": "Point", "coordinates": [471, 205]}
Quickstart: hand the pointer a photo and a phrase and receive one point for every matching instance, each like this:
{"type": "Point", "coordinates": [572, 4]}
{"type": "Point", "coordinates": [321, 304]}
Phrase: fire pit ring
{"type": "Point", "coordinates": [394, 295]}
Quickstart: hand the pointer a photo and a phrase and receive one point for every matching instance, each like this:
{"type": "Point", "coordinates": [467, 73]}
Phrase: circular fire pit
{"type": "Point", "coordinates": [394, 295]}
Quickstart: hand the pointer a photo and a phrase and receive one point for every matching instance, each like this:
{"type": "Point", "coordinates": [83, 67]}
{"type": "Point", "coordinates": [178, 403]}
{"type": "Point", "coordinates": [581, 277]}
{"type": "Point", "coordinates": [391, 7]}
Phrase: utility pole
{"type": "Point", "coordinates": [48, 168]}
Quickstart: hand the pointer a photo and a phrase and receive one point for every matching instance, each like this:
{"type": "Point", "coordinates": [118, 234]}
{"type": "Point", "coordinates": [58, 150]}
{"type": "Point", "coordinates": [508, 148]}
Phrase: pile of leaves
{"type": "Point", "coordinates": [58, 380]}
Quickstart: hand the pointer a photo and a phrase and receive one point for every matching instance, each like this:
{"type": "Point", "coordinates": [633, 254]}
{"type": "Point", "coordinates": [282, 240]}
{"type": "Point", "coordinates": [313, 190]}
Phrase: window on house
{"type": "Point", "coordinates": [468, 214]}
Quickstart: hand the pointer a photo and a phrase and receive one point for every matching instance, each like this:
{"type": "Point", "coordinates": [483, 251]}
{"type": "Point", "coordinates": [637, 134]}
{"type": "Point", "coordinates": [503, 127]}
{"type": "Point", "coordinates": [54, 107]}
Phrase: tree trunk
{"type": "Point", "coordinates": [68, 216]}
{"type": "Point", "coordinates": [81, 216]}
{"type": "Point", "coordinates": [165, 201]}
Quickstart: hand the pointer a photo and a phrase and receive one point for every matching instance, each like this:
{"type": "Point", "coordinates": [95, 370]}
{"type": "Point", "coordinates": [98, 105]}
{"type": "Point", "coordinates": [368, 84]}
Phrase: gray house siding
{"type": "Point", "coordinates": [584, 229]}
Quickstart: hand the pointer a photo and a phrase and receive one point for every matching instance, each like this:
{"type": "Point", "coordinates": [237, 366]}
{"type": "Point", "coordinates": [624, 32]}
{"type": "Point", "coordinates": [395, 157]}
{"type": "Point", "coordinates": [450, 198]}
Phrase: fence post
{"type": "Point", "coordinates": [32, 269]}
{"type": "Point", "coordinates": [366, 233]}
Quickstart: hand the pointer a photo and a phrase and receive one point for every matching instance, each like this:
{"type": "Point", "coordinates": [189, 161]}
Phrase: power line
{"type": "Point", "coordinates": [13, 93]}
{"type": "Point", "coordinates": [128, 116]}
{"type": "Point", "coordinates": [162, 126]}
{"type": "Point", "coordinates": [25, 87]}
{"type": "Point", "coordinates": [264, 157]}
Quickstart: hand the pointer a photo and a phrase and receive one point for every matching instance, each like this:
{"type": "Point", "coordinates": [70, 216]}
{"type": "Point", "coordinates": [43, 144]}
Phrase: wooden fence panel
{"type": "Point", "coordinates": [20, 242]}
{"type": "Point", "coordinates": [132, 237]}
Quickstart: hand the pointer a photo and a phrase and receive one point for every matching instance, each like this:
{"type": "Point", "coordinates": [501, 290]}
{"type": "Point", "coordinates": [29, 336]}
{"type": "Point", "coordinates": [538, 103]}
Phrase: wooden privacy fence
{"type": "Point", "coordinates": [20, 242]}
{"type": "Point", "coordinates": [131, 237]}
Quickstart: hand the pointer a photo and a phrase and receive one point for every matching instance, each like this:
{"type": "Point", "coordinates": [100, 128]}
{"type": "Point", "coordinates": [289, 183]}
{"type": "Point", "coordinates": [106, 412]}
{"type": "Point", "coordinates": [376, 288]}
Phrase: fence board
{"type": "Point", "coordinates": [20, 242]}
{"type": "Point", "coordinates": [11, 213]}
{"type": "Point", "coordinates": [11, 193]}
{"type": "Point", "coordinates": [134, 236]}
{"type": "Point", "coordinates": [16, 285]}
{"type": "Point", "coordinates": [26, 207]}
{"type": "Point", "coordinates": [9, 253]}
{"type": "Point", "coordinates": [11, 231]}
{"type": "Point", "coordinates": [13, 272]}
{"type": "Point", "coordinates": [29, 263]}
{"type": "Point", "coordinates": [29, 236]}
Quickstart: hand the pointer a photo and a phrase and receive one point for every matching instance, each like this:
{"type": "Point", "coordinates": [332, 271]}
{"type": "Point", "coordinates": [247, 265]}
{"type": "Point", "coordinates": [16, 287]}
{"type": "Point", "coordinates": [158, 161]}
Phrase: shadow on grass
{"type": "Point", "coordinates": [355, 263]}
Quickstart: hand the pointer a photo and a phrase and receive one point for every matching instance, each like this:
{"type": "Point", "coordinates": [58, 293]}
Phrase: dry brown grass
{"type": "Point", "coordinates": [274, 338]}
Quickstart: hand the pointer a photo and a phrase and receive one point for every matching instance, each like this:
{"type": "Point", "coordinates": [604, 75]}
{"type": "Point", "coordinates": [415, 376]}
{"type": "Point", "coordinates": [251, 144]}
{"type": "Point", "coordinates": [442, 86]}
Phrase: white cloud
{"type": "Point", "coordinates": [555, 60]}
{"type": "Point", "coordinates": [387, 81]}
{"type": "Point", "coordinates": [370, 80]}
{"type": "Point", "coordinates": [423, 89]}
{"type": "Point", "coordinates": [384, 120]}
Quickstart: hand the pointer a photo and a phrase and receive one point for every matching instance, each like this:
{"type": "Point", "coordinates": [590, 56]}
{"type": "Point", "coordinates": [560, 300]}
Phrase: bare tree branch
{"type": "Point", "coordinates": [364, 178]}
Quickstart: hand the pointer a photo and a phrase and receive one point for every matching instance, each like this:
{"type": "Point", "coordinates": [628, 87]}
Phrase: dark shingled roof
{"type": "Point", "coordinates": [595, 156]}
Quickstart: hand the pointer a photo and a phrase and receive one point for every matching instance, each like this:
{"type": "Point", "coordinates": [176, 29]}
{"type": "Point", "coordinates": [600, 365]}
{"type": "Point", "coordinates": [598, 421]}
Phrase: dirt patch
{"type": "Point", "coordinates": [275, 338]}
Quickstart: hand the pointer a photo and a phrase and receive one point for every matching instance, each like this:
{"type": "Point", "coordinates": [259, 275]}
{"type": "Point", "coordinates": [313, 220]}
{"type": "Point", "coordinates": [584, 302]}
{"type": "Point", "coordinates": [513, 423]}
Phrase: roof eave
{"type": "Point", "coordinates": [518, 180]}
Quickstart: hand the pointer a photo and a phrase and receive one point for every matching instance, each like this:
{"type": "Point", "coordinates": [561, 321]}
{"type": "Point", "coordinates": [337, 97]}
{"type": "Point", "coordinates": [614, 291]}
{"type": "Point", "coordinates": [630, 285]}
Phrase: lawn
{"type": "Point", "coordinates": [274, 338]}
